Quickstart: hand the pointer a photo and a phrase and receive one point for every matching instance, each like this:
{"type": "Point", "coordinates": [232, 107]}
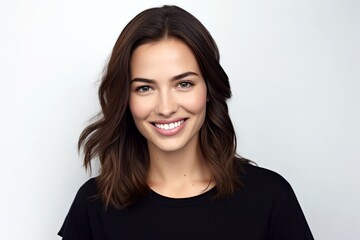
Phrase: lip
{"type": "Point", "coordinates": [167, 121]}
{"type": "Point", "coordinates": [170, 132]}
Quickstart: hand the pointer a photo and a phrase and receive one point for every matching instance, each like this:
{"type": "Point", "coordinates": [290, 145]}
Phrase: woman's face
{"type": "Point", "coordinates": [167, 94]}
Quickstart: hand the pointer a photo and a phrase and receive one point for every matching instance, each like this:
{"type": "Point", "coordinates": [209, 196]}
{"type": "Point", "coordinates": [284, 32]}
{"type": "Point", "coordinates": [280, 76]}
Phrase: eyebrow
{"type": "Point", "coordinates": [175, 78]}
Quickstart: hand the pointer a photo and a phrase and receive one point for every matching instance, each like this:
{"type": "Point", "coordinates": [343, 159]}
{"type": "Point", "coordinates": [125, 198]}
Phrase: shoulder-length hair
{"type": "Point", "coordinates": [114, 138]}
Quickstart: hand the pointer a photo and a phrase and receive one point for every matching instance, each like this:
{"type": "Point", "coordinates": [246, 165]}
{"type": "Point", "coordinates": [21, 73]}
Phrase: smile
{"type": "Point", "coordinates": [169, 126]}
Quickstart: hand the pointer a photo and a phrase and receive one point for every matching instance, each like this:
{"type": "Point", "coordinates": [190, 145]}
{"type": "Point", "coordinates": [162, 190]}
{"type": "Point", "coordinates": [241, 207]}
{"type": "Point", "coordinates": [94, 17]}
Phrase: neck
{"type": "Point", "coordinates": [172, 172]}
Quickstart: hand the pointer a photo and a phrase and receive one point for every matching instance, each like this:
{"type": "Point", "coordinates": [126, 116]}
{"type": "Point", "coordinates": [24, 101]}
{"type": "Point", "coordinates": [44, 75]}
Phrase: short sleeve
{"type": "Point", "coordinates": [77, 223]}
{"type": "Point", "coordinates": [288, 220]}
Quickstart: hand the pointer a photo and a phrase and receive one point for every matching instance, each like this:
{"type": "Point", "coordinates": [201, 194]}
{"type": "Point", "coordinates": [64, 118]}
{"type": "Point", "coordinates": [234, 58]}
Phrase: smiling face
{"type": "Point", "coordinates": [168, 94]}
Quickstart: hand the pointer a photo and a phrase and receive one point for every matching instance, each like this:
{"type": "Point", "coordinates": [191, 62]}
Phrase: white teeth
{"type": "Point", "coordinates": [169, 126]}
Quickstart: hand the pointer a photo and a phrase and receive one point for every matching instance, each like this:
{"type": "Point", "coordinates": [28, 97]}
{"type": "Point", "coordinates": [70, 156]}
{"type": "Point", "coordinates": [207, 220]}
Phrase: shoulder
{"type": "Point", "coordinates": [264, 182]}
{"type": "Point", "coordinates": [272, 196]}
{"type": "Point", "coordinates": [86, 193]}
{"type": "Point", "coordinates": [77, 221]}
{"type": "Point", "coordinates": [88, 189]}
{"type": "Point", "coordinates": [252, 174]}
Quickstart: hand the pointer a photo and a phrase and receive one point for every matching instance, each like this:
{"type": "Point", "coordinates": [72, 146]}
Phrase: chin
{"type": "Point", "coordinates": [168, 147]}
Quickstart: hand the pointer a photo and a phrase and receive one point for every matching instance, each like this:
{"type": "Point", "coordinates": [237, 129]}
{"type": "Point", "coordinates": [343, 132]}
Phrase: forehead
{"type": "Point", "coordinates": [167, 57]}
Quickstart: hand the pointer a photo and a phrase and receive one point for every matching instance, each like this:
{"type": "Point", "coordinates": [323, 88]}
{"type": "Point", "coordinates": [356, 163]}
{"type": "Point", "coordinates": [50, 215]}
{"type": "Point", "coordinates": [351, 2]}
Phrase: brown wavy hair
{"type": "Point", "coordinates": [114, 138]}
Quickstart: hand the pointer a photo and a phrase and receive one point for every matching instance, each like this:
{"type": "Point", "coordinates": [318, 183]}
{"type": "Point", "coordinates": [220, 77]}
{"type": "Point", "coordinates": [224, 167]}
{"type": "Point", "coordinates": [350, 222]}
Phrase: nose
{"type": "Point", "coordinates": [166, 104]}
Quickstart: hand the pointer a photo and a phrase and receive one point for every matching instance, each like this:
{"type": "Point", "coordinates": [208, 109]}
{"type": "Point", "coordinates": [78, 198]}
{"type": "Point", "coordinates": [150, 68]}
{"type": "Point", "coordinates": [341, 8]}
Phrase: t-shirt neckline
{"type": "Point", "coordinates": [182, 202]}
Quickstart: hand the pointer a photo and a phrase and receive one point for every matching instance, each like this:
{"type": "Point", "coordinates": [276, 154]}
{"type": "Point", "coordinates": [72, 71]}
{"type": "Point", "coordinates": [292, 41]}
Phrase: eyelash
{"type": "Point", "coordinates": [189, 84]}
{"type": "Point", "coordinates": [141, 88]}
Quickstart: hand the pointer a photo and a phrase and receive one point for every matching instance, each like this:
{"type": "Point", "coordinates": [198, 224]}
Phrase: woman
{"type": "Point", "coordinates": [167, 147]}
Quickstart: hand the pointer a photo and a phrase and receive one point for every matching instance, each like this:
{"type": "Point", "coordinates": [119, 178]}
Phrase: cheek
{"type": "Point", "coordinates": [138, 108]}
{"type": "Point", "coordinates": [196, 103]}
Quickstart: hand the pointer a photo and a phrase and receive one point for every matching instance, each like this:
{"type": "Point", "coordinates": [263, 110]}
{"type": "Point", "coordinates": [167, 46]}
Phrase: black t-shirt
{"type": "Point", "coordinates": [264, 208]}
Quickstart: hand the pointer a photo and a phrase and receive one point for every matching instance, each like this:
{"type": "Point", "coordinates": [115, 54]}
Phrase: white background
{"type": "Point", "coordinates": [294, 70]}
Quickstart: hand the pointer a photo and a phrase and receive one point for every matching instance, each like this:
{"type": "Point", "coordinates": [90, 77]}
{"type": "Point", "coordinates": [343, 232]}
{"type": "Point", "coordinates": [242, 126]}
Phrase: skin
{"type": "Point", "coordinates": [167, 88]}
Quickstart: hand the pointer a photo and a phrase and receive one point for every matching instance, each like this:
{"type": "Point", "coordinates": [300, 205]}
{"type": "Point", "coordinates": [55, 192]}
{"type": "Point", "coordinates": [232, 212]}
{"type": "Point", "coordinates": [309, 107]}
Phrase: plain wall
{"type": "Point", "coordinates": [294, 71]}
